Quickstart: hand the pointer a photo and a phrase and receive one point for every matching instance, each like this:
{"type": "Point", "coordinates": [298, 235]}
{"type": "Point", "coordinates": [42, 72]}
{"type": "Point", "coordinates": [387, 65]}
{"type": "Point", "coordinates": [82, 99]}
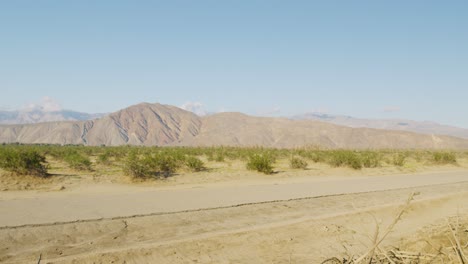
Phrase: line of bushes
{"type": "Point", "coordinates": [163, 161]}
{"type": "Point", "coordinates": [159, 164]}
{"type": "Point", "coordinates": [444, 157]}
{"type": "Point", "coordinates": [23, 162]}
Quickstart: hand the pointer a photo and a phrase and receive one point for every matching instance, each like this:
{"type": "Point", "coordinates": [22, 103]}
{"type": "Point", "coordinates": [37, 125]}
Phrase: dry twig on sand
{"type": "Point", "coordinates": [370, 253]}
{"type": "Point", "coordinates": [453, 253]}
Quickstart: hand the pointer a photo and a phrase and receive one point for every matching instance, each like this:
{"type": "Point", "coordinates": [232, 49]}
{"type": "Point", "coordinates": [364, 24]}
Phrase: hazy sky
{"type": "Point", "coordinates": [362, 58]}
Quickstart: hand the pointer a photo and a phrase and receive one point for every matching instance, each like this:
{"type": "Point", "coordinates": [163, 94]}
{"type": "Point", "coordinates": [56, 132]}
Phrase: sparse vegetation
{"type": "Point", "coordinates": [399, 159]}
{"type": "Point", "coordinates": [155, 162]}
{"type": "Point", "coordinates": [217, 155]}
{"type": "Point", "coordinates": [148, 165]}
{"type": "Point", "coordinates": [345, 158]}
{"type": "Point", "coordinates": [371, 159]}
{"type": "Point", "coordinates": [23, 161]}
{"type": "Point", "coordinates": [77, 161]}
{"type": "Point", "coordinates": [164, 164]}
{"type": "Point", "coordinates": [444, 158]}
{"type": "Point", "coordinates": [297, 163]}
{"type": "Point", "coordinates": [194, 164]}
{"type": "Point", "coordinates": [261, 162]}
{"type": "Point", "coordinates": [453, 249]}
{"type": "Point", "coordinates": [136, 167]}
{"type": "Point", "coordinates": [104, 158]}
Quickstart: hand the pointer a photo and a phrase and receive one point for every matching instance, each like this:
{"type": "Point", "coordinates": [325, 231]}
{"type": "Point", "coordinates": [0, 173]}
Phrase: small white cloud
{"type": "Point", "coordinates": [391, 109]}
{"type": "Point", "coordinates": [195, 107]}
{"type": "Point", "coordinates": [46, 104]}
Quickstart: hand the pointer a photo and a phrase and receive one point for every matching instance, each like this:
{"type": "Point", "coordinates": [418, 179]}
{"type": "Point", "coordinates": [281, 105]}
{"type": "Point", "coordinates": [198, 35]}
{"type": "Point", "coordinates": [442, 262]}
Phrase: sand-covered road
{"type": "Point", "coordinates": [296, 231]}
{"type": "Point", "coordinates": [23, 208]}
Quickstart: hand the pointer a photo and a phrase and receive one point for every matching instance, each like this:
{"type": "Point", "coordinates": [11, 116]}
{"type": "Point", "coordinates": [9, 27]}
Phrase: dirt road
{"type": "Point", "coordinates": [22, 208]}
{"type": "Point", "coordinates": [302, 230]}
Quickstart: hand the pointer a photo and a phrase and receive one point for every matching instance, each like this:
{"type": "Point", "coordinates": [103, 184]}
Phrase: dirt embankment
{"type": "Point", "coordinates": [296, 231]}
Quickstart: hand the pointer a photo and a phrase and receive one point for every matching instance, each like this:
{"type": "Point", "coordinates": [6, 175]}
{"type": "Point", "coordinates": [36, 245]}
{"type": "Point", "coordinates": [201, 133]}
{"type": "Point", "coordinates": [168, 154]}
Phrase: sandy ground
{"type": "Point", "coordinates": [107, 201]}
{"type": "Point", "coordinates": [297, 220]}
{"type": "Point", "coordinates": [231, 172]}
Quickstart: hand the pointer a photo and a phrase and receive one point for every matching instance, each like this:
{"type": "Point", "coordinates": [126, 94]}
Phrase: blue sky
{"type": "Point", "coordinates": [377, 59]}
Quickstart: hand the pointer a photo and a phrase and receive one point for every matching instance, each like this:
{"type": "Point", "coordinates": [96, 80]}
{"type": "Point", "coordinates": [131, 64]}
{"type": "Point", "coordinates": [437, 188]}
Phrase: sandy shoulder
{"type": "Point", "coordinates": [303, 231]}
{"type": "Point", "coordinates": [126, 201]}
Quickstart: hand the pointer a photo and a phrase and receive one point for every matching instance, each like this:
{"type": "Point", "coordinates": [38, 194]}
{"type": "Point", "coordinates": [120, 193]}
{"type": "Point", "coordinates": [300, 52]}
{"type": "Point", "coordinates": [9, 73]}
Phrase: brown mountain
{"type": "Point", "coordinates": [164, 125]}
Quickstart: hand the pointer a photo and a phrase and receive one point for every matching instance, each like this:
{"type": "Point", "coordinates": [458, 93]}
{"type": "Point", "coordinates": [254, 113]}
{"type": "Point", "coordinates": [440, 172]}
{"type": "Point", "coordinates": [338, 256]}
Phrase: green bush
{"type": "Point", "coordinates": [136, 167]}
{"type": "Point", "coordinates": [297, 163]}
{"type": "Point", "coordinates": [444, 157]}
{"type": "Point", "coordinates": [150, 165]}
{"type": "Point", "coordinates": [23, 162]}
{"type": "Point", "coordinates": [418, 156]}
{"type": "Point", "coordinates": [194, 164]}
{"type": "Point", "coordinates": [261, 163]}
{"type": "Point", "coordinates": [77, 161]}
{"type": "Point", "coordinates": [345, 158]}
{"type": "Point", "coordinates": [399, 159]}
{"type": "Point", "coordinates": [104, 158]}
{"type": "Point", "coordinates": [317, 157]}
{"type": "Point", "coordinates": [313, 155]}
{"type": "Point", "coordinates": [370, 159]}
{"type": "Point", "coordinates": [164, 164]}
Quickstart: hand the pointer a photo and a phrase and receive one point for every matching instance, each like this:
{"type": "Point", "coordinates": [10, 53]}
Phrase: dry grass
{"type": "Point", "coordinates": [216, 164]}
{"type": "Point", "coordinates": [448, 245]}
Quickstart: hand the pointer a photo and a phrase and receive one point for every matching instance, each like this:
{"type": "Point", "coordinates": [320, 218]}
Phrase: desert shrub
{"type": "Point", "coordinates": [77, 161]}
{"type": "Point", "coordinates": [217, 155]}
{"type": "Point", "coordinates": [136, 167]}
{"type": "Point", "coordinates": [261, 163]}
{"type": "Point", "coordinates": [104, 158]}
{"type": "Point", "coordinates": [313, 155]}
{"type": "Point", "coordinates": [165, 164]}
{"type": "Point", "coordinates": [149, 165]}
{"type": "Point", "coordinates": [418, 156]}
{"type": "Point", "coordinates": [345, 158]}
{"type": "Point", "coordinates": [399, 159]}
{"type": "Point", "coordinates": [370, 159]}
{"type": "Point", "coordinates": [444, 157]}
{"type": "Point", "coordinates": [317, 156]}
{"type": "Point", "coordinates": [297, 163]}
{"type": "Point", "coordinates": [23, 162]}
{"type": "Point", "coordinates": [116, 153]}
{"type": "Point", "coordinates": [194, 163]}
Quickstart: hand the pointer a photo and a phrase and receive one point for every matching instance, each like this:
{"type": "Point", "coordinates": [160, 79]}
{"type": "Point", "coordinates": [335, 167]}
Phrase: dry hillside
{"type": "Point", "coordinates": [162, 125]}
{"type": "Point", "coordinates": [423, 127]}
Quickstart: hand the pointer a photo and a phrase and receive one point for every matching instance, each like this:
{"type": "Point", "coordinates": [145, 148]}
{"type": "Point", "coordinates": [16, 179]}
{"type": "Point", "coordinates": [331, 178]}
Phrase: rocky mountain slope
{"type": "Point", "coordinates": [164, 125]}
{"type": "Point", "coordinates": [143, 124]}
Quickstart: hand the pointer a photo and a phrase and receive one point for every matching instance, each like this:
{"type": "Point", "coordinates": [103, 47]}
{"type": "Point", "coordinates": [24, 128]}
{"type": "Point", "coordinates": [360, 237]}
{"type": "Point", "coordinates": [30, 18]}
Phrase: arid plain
{"type": "Point", "coordinates": [229, 214]}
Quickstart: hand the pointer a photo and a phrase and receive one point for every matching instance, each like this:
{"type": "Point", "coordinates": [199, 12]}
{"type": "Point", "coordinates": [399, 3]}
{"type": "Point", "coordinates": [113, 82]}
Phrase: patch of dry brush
{"type": "Point", "coordinates": [448, 246]}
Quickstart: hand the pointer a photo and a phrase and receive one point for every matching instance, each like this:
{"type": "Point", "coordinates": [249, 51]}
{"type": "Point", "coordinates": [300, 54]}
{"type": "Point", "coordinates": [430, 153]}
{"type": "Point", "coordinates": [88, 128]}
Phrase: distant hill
{"type": "Point", "coordinates": [425, 127]}
{"type": "Point", "coordinates": [164, 125]}
{"type": "Point", "coordinates": [38, 116]}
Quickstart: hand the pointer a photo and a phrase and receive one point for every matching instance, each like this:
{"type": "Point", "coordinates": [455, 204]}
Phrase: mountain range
{"type": "Point", "coordinates": [424, 127]}
{"type": "Point", "coordinates": [164, 125]}
{"type": "Point", "coordinates": [38, 115]}
{"type": "Point", "coordinates": [32, 116]}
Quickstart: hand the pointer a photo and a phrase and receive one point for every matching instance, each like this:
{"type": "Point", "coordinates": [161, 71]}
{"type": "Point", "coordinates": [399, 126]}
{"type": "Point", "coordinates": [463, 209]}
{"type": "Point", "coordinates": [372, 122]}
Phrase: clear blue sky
{"type": "Point", "coordinates": [362, 58]}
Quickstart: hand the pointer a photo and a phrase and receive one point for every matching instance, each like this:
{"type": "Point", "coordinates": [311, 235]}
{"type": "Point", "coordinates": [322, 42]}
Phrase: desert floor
{"type": "Point", "coordinates": [262, 219]}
